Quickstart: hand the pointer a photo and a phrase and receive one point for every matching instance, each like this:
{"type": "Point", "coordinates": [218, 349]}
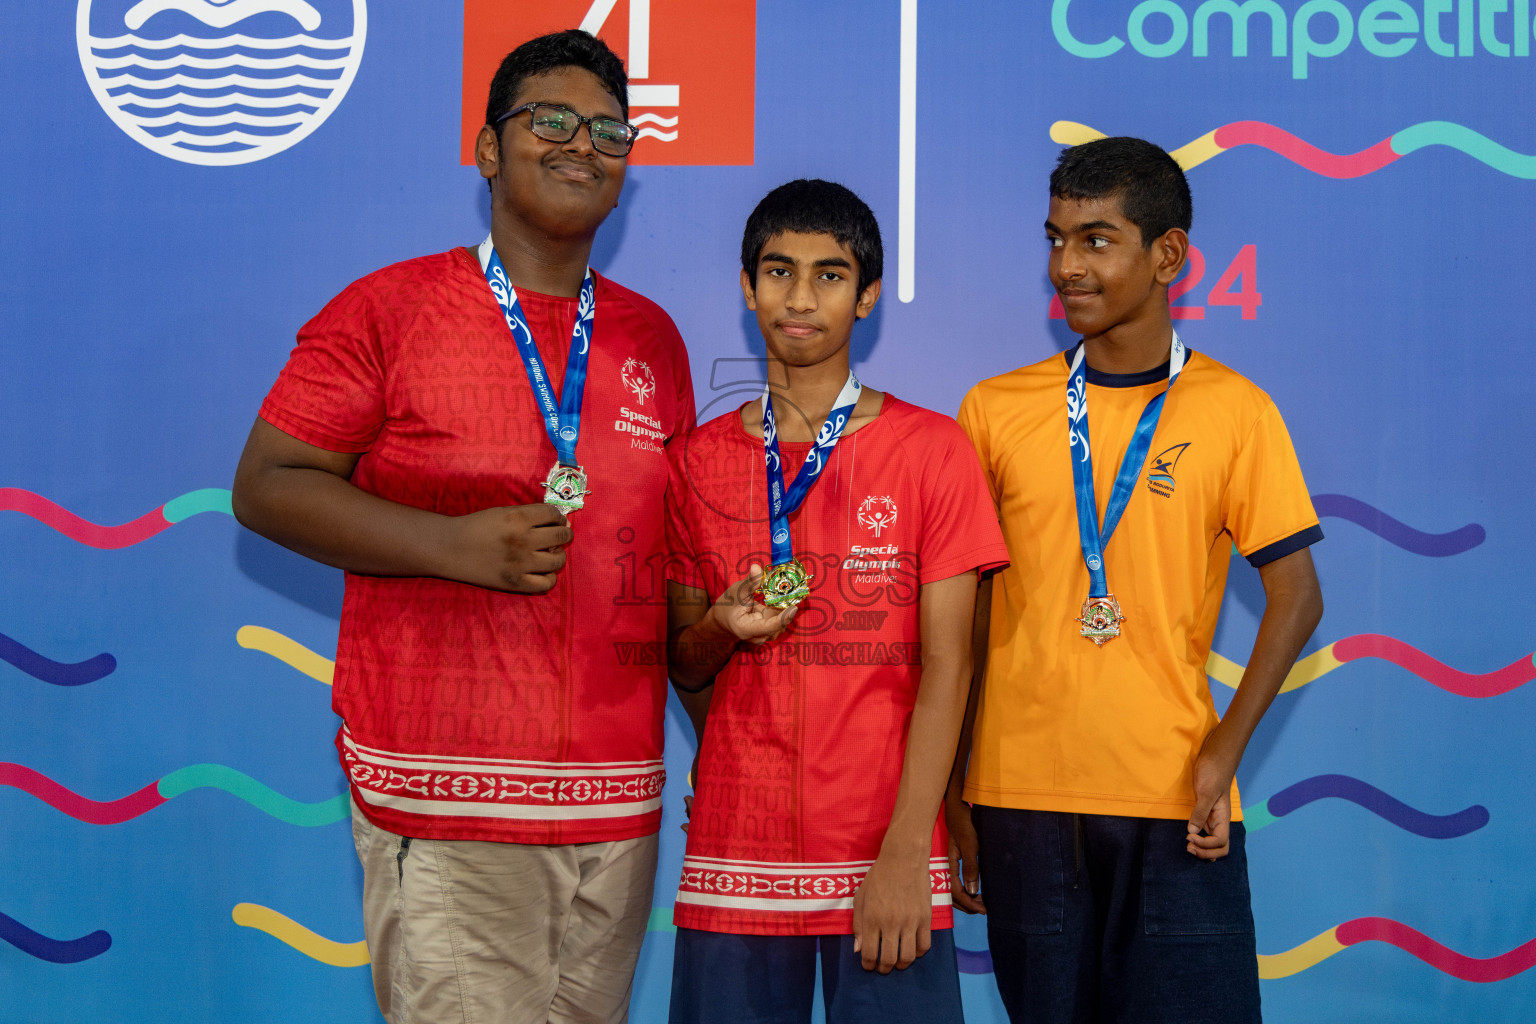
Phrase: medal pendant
{"type": "Point", "coordinates": [566, 487]}
{"type": "Point", "coordinates": [784, 584]}
{"type": "Point", "coordinates": [1101, 619]}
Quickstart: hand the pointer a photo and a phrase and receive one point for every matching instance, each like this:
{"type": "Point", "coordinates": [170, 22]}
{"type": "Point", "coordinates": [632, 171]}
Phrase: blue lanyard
{"type": "Point", "coordinates": [1094, 540]}
{"type": "Point", "coordinates": [782, 503]}
{"type": "Point", "coordinates": [562, 421]}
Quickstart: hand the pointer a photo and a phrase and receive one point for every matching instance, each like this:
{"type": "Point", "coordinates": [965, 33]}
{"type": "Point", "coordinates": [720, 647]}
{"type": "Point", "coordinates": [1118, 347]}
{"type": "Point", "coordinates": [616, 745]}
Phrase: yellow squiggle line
{"type": "Point", "coordinates": [316, 947]}
{"type": "Point", "coordinates": [1192, 154]}
{"type": "Point", "coordinates": [1309, 669]}
{"type": "Point", "coordinates": [1070, 133]}
{"type": "Point", "coordinates": [1305, 956]}
{"type": "Point", "coordinates": [290, 652]}
{"type": "Point", "coordinates": [1195, 153]}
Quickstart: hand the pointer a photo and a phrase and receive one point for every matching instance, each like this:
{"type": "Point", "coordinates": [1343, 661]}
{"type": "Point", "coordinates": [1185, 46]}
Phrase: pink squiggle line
{"type": "Point", "coordinates": [1303, 153]}
{"type": "Point", "coordinates": [1463, 684]}
{"type": "Point", "coordinates": [93, 812]}
{"type": "Point", "coordinates": [14, 499]}
{"type": "Point", "coordinates": [1441, 958]}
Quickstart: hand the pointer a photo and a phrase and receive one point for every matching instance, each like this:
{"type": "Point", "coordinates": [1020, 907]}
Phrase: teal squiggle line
{"type": "Point", "coordinates": [268, 801]}
{"type": "Point", "coordinates": [1475, 145]}
{"type": "Point", "coordinates": [1256, 816]}
{"type": "Point", "coordinates": [209, 499]}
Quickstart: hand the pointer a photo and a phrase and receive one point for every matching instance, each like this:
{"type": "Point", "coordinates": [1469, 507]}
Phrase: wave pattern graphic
{"type": "Point", "coordinates": [1432, 545]}
{"type": "Point", "coordinates": [59, 673]}
{"type": "Point", "coordinates": [208, 499]}
{"type": "Point", "coordinates": [55, 951]}
{"type": "Point", "coordinates": [183, 780]}
{"type": "Point", "coordinates": [288, 651]}
{"type": "Point", "coordinates": [1332, 165]}
{"type": "Point", "coordinates": [1383, 929]}
{"type": "Point", "coordinates": [285, 929]}
{"type": "Point", "coordinates": [1373, 645]}
{"type": "Point", "coordinates": [1383, 805]}
{"type": "Point", "coordinates": [218, 96]}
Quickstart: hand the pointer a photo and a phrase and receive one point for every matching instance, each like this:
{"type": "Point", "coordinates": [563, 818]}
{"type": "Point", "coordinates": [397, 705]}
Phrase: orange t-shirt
{"type": "Point", "coordinates": [1063, 725]}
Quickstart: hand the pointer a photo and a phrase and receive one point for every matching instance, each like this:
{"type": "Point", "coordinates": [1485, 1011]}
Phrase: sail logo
{"type": "Point", "coordinates": [220, 82]}
{"type": "Point", "coordinates": [691, 67]}
{"type": "Point", "coordinates": [1160, 476]}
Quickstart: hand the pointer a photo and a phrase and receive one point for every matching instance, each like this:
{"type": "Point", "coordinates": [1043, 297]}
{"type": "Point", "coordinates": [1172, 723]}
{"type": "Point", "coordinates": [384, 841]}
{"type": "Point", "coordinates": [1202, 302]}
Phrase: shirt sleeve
{"type": "Point", "coordinates": [1267, 509]}
{"type": "Point", "coordinates": [331, 393]}
{"type": "Point", "coordinates": [682, 554]}
{"type": "Point", "coordinates": [960, 530]}
{"type": "Point", "coordinates": [973, 423]}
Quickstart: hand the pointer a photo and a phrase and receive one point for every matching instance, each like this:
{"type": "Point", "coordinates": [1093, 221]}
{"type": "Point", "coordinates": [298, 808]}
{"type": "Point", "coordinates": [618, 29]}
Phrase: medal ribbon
{"type": "Point", "coordinates": [781, 502]}
{"type": "Point", "coordinates": [1093, 539]}
{"type": "Point", "coordinates": [562, 421]}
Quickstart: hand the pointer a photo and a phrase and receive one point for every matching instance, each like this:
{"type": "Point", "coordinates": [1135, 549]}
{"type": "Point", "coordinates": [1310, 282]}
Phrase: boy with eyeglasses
{"type": "Point", "coordinates": [828, 538]}
{"type": "Point", "coordinates": [1103, 812]}
{"type": "Point", "coordinates": [443, 432]}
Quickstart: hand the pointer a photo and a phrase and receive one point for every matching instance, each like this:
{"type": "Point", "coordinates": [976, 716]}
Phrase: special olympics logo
{"type": "Point", "coordinates": [876, 513]}
{"type": "Point", "coordinates": [637, 376]}
{"type": "Point", "coordinates": [220, 82]}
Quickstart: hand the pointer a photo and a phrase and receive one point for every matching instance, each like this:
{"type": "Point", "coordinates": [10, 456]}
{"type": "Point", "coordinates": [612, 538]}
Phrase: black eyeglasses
{"type": "Point", "coordinates": [554, 123]}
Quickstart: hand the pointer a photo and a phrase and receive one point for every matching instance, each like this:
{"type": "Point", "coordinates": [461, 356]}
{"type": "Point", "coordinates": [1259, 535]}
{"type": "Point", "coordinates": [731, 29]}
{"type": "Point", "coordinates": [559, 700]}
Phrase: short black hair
{"type": "Point", "coordinates": [1149, 183]}
{"type": "Point", "coordinates": [571, 48]}
{"type": "Point", "coordinates": [815, 207]}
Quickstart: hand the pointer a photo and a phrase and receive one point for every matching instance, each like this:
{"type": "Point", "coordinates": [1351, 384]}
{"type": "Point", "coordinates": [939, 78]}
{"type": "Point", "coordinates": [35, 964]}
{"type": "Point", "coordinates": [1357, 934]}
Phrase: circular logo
{"type": "Point", "coordinates": [780, 536]}
{"type": "Point", "coordinates": [568, 434]}
{"type": "Point", "coordinates": [220, 82]}
{"type": "Point", "coordinates": [637, 376]}
{"type": "Point", "coordinates": [1094, 563]}
{"type": "Point", "coordinates": [877, 512]}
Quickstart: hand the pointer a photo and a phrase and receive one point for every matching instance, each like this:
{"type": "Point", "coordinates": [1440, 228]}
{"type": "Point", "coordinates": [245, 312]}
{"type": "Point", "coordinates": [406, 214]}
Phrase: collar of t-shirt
{"type": "Point", "coordinates": [1100, 379]}
{"type": "Point", "coordinates": [803, 446]}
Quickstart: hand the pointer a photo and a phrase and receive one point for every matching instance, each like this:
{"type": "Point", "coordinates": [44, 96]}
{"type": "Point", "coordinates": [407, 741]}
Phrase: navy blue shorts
{"type": "Point", "coordinates": [718, 978]}
{"type": "Point", "coordinates": [1094, 919]}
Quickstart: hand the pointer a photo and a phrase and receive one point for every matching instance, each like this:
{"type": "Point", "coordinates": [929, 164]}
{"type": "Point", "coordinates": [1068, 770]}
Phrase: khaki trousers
{"type": "Point", "coordinates": [464, 932]}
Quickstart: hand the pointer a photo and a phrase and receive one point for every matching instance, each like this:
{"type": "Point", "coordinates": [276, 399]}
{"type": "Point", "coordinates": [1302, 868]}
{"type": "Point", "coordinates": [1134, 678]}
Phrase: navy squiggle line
{"type": "Point", "coordinates": [56, 672]}
{"type": "Point", "coordinates": [55, 951]}
{"type": "Point", "coordinates": [1433, 545]}
{"type": "Point", "coordinates": [1345, 787]}
{"type": "Point", "coordinates": [974, 961]}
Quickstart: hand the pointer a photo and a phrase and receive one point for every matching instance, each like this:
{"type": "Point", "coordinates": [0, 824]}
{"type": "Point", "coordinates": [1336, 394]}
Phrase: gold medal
{"type": "Point", "coordinates": [784, 584]}
{"type": "Point", "coordinates": [1101, 619]}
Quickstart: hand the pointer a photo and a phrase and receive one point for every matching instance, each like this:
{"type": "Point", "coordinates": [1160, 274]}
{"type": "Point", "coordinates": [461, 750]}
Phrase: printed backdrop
{"type": "Point", "coordinates": [187, 181]}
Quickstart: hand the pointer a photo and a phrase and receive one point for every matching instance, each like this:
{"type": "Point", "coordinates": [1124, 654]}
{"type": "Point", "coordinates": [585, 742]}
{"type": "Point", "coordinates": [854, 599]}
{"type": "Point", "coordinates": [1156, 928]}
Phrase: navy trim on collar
{"type": "Point", "coordinates": [1124, 380]}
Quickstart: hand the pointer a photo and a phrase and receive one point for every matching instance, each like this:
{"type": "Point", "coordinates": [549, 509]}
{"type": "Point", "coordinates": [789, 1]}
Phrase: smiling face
{"type": "Point", "coordinates": [555, 189]}
{"type": "Point", "coordinates": [806, 296]}
{"type": "Point", "coordinates": [1106, 277]}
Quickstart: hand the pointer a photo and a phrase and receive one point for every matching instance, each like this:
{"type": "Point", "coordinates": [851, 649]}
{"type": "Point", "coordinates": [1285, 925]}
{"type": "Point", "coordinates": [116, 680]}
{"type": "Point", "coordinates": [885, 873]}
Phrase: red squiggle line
{"type": "Point", "coordinates": [1331, 165]}
{"type": "Point", "coordinates": [1463, 684]}
{"type": "Point", "coordinates": [14, 499]}
{"type": "Point", "coordinates": [94, 812]}
{"type": "Point", "coordinates": [1467, 968]}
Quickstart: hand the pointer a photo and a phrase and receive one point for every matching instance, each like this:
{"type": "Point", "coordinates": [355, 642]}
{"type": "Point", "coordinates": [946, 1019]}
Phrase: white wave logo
{"type": "Point", "coordinates": [182, 84]}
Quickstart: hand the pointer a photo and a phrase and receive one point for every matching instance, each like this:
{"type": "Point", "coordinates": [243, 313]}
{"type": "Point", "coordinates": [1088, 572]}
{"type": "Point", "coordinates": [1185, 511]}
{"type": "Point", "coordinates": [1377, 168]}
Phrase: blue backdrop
{"type": "Point", "coordinates": [187, 181]}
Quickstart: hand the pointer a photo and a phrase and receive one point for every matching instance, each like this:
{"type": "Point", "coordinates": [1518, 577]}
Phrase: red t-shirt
{"type": "Point", "coordinates": [469, 713]}
{"type": "Point", "coordinates": [803, 748]}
